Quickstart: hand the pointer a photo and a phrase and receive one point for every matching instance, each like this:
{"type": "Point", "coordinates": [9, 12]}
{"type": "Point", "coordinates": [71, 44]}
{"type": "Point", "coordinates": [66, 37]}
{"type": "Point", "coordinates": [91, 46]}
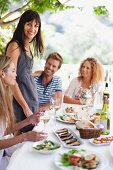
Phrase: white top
{"type": "Point", "coordinates": [73, 90]}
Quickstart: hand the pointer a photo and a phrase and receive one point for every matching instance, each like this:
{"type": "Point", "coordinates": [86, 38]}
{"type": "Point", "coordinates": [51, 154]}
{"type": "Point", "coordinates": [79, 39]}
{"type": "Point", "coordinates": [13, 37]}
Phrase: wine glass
{"type": "Point", "coordinates": [55, 105]}
{"type": "Point", "coordinates": [45, 117]}
{"type": "Point", "coordinates": [87, 99]}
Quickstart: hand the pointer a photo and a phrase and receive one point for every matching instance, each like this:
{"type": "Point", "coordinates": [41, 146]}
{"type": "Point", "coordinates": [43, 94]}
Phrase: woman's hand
{"type": "Point", "coordinates": [35, 136]}
{"type": "Point", "coordinates": [34, 119]}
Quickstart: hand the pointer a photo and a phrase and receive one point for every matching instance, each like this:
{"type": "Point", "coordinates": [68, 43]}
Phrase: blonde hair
{"type": "Point", "coordinates": [6, 107]}
{"type": "Point", "coordinates": [97, 70]}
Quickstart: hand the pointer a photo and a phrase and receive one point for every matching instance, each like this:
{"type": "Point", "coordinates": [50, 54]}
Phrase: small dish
{"type": "Point", "coordinates": [68, 138]}
{"type": "Point", "coordinates": [46, 147]}
{"type": "Point", "coordinates": [66, 118]}
{"type": "Point", "coordinates": [101, 141]}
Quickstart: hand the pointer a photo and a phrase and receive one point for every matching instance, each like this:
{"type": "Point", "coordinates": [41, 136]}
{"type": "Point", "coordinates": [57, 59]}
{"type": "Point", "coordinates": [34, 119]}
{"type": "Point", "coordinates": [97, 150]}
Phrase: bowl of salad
{"type": "Point", "coordinates": [46, 147]}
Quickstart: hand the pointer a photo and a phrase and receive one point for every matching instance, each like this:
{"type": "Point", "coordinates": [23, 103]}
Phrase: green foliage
{"type": "Point", "coordinates": [101, 11]}
{"type": "Point", "coordinates": [4, 5]}
{"type": "Point", "coordinates": [38, 5]}
{"type": "Point", "coordinates": [2, 45]}
{"type": "Point", "coordinates": [48, 5]}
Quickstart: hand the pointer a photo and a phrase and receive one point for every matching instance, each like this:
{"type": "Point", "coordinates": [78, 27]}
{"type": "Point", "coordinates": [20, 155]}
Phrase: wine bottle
{"type": "Point", "coordinates": [105, 116]}
{"type": "Point", "coordinates": [106, 93]}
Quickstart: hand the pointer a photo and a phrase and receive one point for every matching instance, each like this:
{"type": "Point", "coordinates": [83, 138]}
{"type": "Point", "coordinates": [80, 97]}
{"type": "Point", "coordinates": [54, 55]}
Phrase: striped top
{"type": "Point", "coordinates": [46, 92]}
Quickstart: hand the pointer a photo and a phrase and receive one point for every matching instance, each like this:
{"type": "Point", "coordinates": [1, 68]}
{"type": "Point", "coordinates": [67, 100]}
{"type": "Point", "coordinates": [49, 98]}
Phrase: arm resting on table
{"type": "Point", "coordinates": [71, 100]}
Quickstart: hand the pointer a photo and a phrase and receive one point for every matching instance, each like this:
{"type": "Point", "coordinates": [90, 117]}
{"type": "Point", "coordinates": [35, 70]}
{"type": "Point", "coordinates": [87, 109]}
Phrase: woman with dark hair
{"type": "Point", "coordinates": [25, 96]}
{"type": "Point", "coordinates": [91, 75]}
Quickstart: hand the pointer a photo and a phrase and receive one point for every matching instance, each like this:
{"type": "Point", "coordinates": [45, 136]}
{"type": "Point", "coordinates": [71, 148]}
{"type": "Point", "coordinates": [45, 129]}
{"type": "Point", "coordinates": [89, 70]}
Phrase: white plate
{"type": "Point", "coordinates": [64, 121]}
{"type": "Point", "coordinates": [103, 163]}
{"type": "Point", "coordinates": [45, 151]}
{"type": "Point", "coordinates": [111, 148]}
{"type": "Point", "coordinates": [63, 111]}
{"type": "Point", "coordinates": [99, 144]}
{"type": "Point", "coordinates": [74, 136]}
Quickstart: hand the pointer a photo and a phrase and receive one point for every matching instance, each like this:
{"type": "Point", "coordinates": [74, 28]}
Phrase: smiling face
{"type": "Point", "coordinates": [51, 66]}
{"type": "Point", "coordinates": [30, 30]}
{"type": "Point", "coordinates": [86, 70]}
{"type": "Point", "coordinates": [10, 75]}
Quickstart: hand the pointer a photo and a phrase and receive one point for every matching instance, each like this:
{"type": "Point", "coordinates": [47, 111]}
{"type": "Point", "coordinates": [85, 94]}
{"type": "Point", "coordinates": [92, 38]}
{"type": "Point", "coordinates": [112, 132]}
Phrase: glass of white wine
{"type": "Point", "coordinates": [45, 117]}
{"type": "Point", "coordinates": [55, 105]}
{"type": "Point", "coordinates": [87, 99]}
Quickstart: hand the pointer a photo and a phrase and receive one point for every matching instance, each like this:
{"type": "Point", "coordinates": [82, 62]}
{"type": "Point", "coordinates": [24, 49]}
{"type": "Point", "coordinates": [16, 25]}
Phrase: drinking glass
{"type": "Point", "coordinates": [45, 117]}
{"type": "Point", "coordinates": [87, 100]}
{"type": "Point", "coordinates": [55, 105]}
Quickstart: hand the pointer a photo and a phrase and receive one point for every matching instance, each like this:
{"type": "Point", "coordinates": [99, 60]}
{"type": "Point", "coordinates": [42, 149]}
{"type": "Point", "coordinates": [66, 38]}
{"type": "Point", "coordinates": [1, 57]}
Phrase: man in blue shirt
{"type": "Point", "coordinates": [48, 84]}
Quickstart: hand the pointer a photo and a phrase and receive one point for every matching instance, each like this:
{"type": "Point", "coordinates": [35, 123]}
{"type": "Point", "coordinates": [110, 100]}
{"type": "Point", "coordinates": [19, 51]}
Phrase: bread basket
{"type": "Point", "coordinates": [90, 133]}
{"type": "Point", "coordinates": [88, 130]}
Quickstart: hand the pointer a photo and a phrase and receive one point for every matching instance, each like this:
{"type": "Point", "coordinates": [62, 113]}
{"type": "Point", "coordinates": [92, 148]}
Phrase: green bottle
{"type": "Point", "coordinates": [105, 116]}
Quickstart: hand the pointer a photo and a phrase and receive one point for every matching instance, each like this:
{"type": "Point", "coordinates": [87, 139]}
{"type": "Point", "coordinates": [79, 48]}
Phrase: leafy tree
{"type": "Point", "coordinates": [11, 7]}
{"type": "Point", "coordinates": [11, 10]}
{"type": "Point", "coordinates": [19, 6]}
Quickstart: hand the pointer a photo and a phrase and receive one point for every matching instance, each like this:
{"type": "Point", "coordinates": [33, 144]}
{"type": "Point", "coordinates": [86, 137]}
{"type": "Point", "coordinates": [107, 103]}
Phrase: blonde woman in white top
{"type": "Point", "coordinates": [8, 127]}
{"type": "Point", "coordinates": [91, 74]}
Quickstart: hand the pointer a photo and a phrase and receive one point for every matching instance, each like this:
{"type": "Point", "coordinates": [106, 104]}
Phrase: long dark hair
{"type": "Point", "coordinates": [18, 35]}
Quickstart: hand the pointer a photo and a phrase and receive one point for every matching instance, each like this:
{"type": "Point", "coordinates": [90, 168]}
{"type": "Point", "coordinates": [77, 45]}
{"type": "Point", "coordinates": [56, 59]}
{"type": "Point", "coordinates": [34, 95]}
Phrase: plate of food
{"type": "Point", "coordinates": [66, 118]}
{"type": "Point", "coordinates": [101, 141]}
{"type": "Point", "coordinates": [46, 146]}
{"type": "Point", "coordinates": [80, 159]}
{"type": "Point", "coordinates": [70, 110]}
{"type": "Point", "coordinates": [67, 110]}
{"type": "Point", "coordinates": [68, 138]}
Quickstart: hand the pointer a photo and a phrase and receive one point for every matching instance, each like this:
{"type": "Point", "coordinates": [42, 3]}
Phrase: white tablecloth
{"type": "Point", "coordinates": [26, 158]}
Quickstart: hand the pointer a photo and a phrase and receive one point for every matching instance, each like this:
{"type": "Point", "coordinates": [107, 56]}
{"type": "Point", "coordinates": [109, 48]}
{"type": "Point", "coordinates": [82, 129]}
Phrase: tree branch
{"type": "Point", "coordinates": [11, 13]}
{"type": "Point", "coordinates": [2, 23]}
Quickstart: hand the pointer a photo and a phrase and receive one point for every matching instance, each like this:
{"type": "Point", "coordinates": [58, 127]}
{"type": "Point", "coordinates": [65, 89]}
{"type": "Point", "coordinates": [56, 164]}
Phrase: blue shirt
{"type": "Point", "coordinates": [46, 92]}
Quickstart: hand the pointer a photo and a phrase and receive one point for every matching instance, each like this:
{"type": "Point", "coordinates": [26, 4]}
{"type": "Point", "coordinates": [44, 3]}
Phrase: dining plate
{"type": "Point", "coordinates": [66, 118]}
{"type": "Point", "coordinates": [46, 147]}
{"type": "Point", "coordinates": [62, 163]}
{"type": "Point", "coordinates": [68, 138]}
{"type": "Point", "coordinates": [63, 115]}
{"type": "Point", "coordinates": [101, 141]}
{"type": "Point", "coordinates": [68, 110]}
